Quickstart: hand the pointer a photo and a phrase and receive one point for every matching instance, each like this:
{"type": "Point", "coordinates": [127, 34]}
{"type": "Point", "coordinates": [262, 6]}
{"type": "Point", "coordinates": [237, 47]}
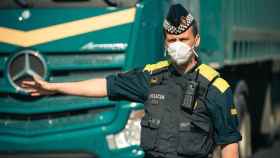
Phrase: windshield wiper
{"type": "Point", "coordinates": [23, 3]}
{"type": "Point", "coordinates": [111, 3]}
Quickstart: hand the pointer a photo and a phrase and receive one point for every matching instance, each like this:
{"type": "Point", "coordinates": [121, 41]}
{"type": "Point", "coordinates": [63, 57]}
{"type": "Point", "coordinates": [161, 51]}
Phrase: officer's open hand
{"type": "Point", "coordinates": [37, 87]}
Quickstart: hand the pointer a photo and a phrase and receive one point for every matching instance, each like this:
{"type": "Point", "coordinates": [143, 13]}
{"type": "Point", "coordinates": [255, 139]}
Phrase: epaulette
{"type": "Point", "coordinates": [157, 71]}
{"type": "Point", "coordinates": [221, 84]}
{"type": "Point", "coordinates": [213, 76]}
{"type": "Point", "coordinates": [157, 67]}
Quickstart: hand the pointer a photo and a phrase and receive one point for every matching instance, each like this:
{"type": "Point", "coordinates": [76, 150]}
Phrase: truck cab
{"type": "Point", "coordinates": [73, 40]}
{"type": "Point", "coordinates": [63, 41]}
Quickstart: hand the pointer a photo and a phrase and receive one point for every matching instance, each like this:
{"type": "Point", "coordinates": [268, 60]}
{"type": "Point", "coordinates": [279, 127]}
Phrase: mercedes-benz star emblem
{"type": "Point", "coordinates": [24, 65]}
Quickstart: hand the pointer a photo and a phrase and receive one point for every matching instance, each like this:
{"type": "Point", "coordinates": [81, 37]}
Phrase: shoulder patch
{"type": "Point", "coordinates": [157, 66]}
{"type": "Point", "coordinates": [233, 111]}
{"type": "Point", "coordinates": [208, 72]}
{"type": "Point", "coordinates": [221, 84]}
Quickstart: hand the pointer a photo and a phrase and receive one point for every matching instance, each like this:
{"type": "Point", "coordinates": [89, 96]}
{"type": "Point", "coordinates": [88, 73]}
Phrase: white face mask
{"type": "Point", "coordinates": [180, 52]}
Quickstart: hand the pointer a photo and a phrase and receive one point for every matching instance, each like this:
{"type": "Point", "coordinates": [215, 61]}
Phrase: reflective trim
{"type": "Point", "coordinates": [208, 72]}
{"type": "Point", "coordinates": [221, 84]}
{"type": "Point", "coordinates": [186, 22]}
{"type": "Point", "coordinates": [152, 67]}
{"type": "Point", "coordinates": [233, 111]}
{"type": "Point", "coordinates": [56, 32]}
{"type": "Point", "coordinates": [195, 105]}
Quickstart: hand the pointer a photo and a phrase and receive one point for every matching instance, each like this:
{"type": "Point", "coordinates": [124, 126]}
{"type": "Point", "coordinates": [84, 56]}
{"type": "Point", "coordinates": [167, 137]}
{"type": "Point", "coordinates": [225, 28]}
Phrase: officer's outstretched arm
{"type": "Point", "coordinates": [89, 88]}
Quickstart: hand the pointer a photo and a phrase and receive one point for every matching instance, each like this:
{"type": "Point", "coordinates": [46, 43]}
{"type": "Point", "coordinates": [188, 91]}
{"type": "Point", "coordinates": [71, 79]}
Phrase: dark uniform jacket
{"type": "Point", "coordinates": [216, 109]}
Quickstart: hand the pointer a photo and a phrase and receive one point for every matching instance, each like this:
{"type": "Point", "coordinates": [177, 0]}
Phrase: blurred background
{"type": "Point", "coordinates": [71, 40]}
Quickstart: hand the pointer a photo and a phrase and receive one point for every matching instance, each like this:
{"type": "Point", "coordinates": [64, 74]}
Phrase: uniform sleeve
{"type": "Point", "coordinates": [221, 107]}
{"type": "Point", "coordinates": [132, 86]}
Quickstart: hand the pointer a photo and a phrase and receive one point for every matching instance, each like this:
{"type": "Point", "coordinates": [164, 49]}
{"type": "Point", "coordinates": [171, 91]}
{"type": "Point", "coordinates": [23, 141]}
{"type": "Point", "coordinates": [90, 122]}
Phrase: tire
{"type": "Point", "coordinates": [268, 122]}
{"type": "Point", "coordinates": [241, 102]}
{"type": "Point", "coordinates": [245, 145]}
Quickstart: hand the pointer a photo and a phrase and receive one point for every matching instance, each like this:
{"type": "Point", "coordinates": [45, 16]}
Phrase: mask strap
{"type": "Point", "coordinates": [165, 52]}
{"type": "Point", "coordinates": [195, 53]}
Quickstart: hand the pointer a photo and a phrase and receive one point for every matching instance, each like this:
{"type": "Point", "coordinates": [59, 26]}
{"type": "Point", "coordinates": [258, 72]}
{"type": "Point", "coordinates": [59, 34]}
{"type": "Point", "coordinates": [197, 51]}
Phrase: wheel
{"type": "Point", "coordinates": [245, 145]}
{"type": "Point", "coordinates": [241, 103]}
{"type": "Point", "coordinates": [268, 122]}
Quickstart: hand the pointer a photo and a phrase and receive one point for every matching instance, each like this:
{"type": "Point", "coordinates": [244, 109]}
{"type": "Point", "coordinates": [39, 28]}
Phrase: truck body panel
{"type": "Point", "coordinates": [238, 37]}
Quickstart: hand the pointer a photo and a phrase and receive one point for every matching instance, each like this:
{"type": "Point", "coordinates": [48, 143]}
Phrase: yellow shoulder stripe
{"type": "Point", "coordinates": [208, 72]}
{"type": "Point", "coordinates": [152, 67]}
{"type": "Point", "coordinates": [221, 84]}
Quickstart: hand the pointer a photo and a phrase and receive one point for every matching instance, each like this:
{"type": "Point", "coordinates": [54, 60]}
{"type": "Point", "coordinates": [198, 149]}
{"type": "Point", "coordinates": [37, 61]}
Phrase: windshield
{"type": "Point", "coordinates": [66, 3]}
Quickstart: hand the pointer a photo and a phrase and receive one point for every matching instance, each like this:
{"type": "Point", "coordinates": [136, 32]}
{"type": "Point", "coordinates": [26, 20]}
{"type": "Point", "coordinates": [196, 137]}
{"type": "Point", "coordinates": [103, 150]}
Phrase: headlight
{"type": "Point", "coordinates": [130, 135]}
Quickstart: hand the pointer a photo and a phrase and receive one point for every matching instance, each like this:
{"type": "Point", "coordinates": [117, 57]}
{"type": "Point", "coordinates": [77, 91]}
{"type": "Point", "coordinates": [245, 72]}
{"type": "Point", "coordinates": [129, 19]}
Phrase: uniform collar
{"type": "Point", "coordinates": [174, 71]}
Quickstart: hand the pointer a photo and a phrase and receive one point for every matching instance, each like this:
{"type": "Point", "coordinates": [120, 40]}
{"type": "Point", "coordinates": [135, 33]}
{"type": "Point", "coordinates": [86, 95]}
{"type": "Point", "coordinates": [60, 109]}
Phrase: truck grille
{"type": "Point", "coordinates": [38, 124]}
{"type": "Point", "coordinates": [55, 115]}
{"type": "Point", "coordinates": [65, 67]}
{"type": "Point", "coordinates": [27, 116]}
{"type": "Point", "coordinates": [62, 67]}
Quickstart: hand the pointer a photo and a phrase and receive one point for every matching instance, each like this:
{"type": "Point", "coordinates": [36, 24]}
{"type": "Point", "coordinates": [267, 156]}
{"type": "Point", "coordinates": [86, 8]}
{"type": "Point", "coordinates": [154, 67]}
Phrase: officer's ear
{"type": "Point", "coordinates": [197, 40]}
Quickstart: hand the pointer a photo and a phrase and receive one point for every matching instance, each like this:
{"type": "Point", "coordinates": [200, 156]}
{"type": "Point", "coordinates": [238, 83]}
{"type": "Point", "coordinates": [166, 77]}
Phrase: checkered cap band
{"type": "Point", "coordinates": [186, 22]}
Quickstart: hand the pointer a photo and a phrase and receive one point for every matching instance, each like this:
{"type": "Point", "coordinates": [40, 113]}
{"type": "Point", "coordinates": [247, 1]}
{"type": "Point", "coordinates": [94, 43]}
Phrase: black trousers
{"type": "Point", "coordinates": [147, 155]}
{"type": "Point", "coordinates": [157, 155]}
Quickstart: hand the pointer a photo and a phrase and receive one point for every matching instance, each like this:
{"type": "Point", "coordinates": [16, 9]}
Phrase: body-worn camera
{"type": "Point", "coordinates": [189, 95]}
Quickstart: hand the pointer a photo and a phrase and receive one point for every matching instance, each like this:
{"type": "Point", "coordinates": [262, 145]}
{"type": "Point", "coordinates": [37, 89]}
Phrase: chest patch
{"type": "Point", "coordinates": [157, 96]}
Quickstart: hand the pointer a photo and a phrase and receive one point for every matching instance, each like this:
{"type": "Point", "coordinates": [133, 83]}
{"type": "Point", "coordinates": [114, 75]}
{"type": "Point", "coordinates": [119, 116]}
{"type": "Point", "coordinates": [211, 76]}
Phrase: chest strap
{"type": "Point", "coordinates": [195, 87]}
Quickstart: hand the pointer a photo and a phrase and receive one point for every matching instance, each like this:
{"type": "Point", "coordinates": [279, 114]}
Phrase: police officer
{"type": "Point", "coordinates": [188, 107]}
